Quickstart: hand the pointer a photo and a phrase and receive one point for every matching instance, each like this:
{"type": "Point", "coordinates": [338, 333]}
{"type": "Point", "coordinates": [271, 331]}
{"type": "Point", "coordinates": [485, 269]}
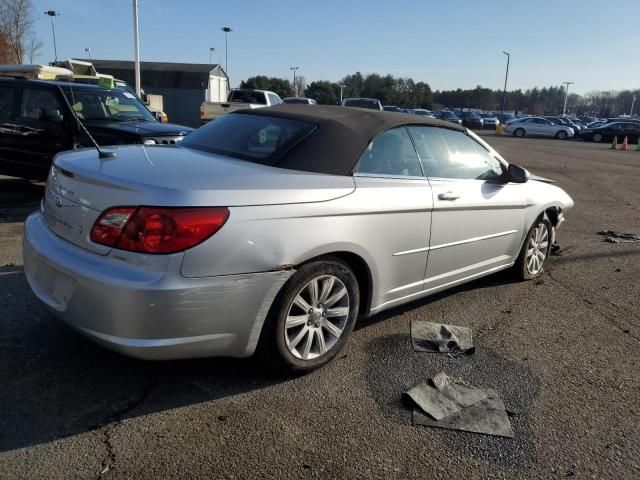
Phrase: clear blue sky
{"type": "Point", "coordinates": [449, 44]}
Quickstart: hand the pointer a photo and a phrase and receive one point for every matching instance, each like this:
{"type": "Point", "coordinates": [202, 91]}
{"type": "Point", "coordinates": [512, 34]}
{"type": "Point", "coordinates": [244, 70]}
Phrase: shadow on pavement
{"type": "Point", "coordinates": [18, 198]}
{"type": "Point", "coordinates": [55, 383]}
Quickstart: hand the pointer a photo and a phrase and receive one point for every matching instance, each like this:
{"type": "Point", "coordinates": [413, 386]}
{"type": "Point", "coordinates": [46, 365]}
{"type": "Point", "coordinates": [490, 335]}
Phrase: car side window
{"type": "Point", "coordinates": [7, 96]}
{"type": "Point", "coordinates": [40, 104]}
{"type": "Point", "coordinates": [467, 159]}
{"type": "Point", "coordinates": [431, 148]}
{"type": "Point", "coordinates": [390, 153]}
{"type": "Point", "coordinates": [273, 100]}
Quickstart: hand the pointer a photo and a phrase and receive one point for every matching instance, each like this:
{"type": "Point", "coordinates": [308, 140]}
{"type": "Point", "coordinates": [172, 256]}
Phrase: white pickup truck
{"type": "Point", "coordinates": [238, 98]}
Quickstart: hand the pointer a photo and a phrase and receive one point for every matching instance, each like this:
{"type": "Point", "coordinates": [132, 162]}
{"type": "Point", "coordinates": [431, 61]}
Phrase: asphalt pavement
{"type": "Point", "coordinates": [562, 351]}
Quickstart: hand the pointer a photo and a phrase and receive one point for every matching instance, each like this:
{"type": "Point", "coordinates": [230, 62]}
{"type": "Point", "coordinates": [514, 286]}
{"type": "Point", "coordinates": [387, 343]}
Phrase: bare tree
{"type": "Point", "coordinates": [300, 85]}
{"type": "Point", "coordinates": [33, 48]}
{"type": "Point", "coordinates": [16, 25]}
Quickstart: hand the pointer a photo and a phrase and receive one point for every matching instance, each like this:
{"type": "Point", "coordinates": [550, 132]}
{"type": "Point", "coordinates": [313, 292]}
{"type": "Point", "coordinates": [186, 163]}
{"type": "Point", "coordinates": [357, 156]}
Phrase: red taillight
{"type": "Point", "coordinates": [157, 229]}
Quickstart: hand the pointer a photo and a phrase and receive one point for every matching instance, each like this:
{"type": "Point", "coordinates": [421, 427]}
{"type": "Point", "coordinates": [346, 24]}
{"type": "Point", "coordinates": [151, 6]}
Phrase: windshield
{"type": "Point", "coordinates": [248, 96]}
{"type": "Point", "coordinates": [256, 138]}
{"type": "Point", "coordinates": [447, 115]}
{"type": "Point", "coordinates": [107, 105]}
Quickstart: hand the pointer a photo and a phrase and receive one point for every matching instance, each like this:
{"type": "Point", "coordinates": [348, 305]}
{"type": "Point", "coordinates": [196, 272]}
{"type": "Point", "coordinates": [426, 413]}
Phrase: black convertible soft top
{"type": "Point", "coordinates": [341, 135]}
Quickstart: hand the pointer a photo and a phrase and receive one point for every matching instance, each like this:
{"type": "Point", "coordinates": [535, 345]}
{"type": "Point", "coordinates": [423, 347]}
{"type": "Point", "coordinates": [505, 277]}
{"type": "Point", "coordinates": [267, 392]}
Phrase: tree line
{"type": "Point", "coordinates": [407, 93]}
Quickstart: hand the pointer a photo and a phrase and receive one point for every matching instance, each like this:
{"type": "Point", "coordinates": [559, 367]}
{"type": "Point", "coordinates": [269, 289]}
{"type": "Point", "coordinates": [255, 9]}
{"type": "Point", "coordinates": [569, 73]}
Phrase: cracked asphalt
{"type": "Point", "coordinates": [562, 351]}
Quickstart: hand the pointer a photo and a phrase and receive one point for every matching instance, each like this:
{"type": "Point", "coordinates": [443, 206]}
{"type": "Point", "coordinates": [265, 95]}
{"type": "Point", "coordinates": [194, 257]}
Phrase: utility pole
{"type": "Point", "coordinates": [136, 43]}
{"type": "Point", "coordinates": [504, 92]}
{"type": "Point", "coordinates": [53, 14]}
{"type": "Point", "coordinates": [295, 87]}
{"type": "Point", "coordinates": [226, 31]}
{"type": "Point", "coordinates": [566, 95]}
{"type": "Point", "coordinates": [211, 50]}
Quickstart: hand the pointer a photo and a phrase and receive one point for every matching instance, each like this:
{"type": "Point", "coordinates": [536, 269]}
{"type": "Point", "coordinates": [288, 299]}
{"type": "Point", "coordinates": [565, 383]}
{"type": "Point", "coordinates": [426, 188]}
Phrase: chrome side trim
{"type": "Point", "coordinates": [408, 252]}
{"type": "Point", "coordinates": [474, 239]}
{"type": "Point", "coordinates": [452, 244]}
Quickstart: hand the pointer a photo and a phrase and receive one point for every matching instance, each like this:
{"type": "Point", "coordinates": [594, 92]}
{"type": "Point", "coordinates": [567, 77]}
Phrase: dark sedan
{"type": "Point", "coordinates": [609, 131]}
{"type": "Point", "coordinates": [471, 120]}
{"type": "Point", "coordinates": [448, 116]}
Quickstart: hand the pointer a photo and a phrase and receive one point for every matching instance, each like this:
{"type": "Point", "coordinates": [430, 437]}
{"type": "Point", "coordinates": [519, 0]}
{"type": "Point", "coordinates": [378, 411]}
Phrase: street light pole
{"type": "Point", "coordinates": [341, 88]}
{"type": "Point", "coordinates": [504, 92]}
{"type": "Point", "coordinates": [226, 31]}
{"type": "Point", "coordinates": [52, 14]}
{"type": "Point", "coordinates": [211, 50]}
{"type": "Point", "coordinates": [566, 95]}
{"type": "Point", "coordinates": [136, 43]}
{"type": "Point", "coordinates": [295, 89]}
{"type": "Point", "coordinates": [87, 50]}
{"type": "Point", "coordinates": [633, 102]}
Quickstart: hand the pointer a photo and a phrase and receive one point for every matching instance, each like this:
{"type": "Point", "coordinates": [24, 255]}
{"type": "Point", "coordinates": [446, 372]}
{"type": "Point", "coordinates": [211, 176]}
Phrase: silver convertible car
{"type": "Point", "coordinates": [273, 230]}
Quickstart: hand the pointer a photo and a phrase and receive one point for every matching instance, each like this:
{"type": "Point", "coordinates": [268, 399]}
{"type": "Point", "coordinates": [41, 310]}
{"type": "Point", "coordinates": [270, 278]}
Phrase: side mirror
{"type": "Point", "coordinates": [517, 174]}
{"type": "Point", "coordinates": [51, 115]}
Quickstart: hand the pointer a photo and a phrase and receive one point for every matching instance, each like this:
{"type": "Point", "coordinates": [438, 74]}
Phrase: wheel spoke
{"type": "Point", "coordinates": [295, 321]}
{"type": "Point", "coordinates": [303, 331]}
{"type": "Point", "coordinates": [530, 263]}
{"type": "Point", "coordinates": [530, 252]}
{"type": "Point", "coordinates": [301, 302]}
{"type": "Point", "coordinates": [313, 291]}
{"type": "Point", "coordinates": [327, 286]}
{"type": "Point", "coordinates": [543, 246]}
{"type": "Point", "coordinates": [337, 312]}
{"type": "Point", "coordinates": [322, 346]}
{"type": "Point", "coordinates": [544, 235]}
{"type": "Point", "coordinates": [332, 329]}
{"type": "Point", "coordinates": [336, 296]}
{"type": "Point", "coordinates": [307, 345]}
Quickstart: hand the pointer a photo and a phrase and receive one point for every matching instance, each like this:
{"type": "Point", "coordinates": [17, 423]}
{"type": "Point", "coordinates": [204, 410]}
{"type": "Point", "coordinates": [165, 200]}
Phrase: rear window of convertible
{"type": "Point", "coordinates": [257, 138]}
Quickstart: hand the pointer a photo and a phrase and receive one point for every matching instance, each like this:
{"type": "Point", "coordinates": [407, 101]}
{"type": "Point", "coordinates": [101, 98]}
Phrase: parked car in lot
{"type": "Point", "coordinates": [609, 131]}
{"type": "Point", "coordinates": [370, 103]}
{"type": "Point", "coordinates": [273, 230]}
{"type": "Point", "coordinates": [423, 112]}
{"type": "Point", "coordinates": [37, 122]}
{"type": "Point", "coordinates": [504, 118]}
{"type": "Point", "coordinates": [490, 120]}
{"type": "Point", "coordinates": [538, 127]}
{"type": "Point", "coordinates": [239, 98]}
{"type": "Point", "coordinates": [302, 100]}
{"type": "Point", "coordinates": [391, 108]}
{"type": "Point", "coordinates": [448, 116]}
{"type": "Point", "coordinates": [471, 120]}
{"type": "Point", "coordinates": [563, 121]}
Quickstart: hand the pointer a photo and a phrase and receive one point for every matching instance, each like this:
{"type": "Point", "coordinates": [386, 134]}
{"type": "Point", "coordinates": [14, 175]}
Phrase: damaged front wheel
{"type": "Point", "coordinates": [535, 250]}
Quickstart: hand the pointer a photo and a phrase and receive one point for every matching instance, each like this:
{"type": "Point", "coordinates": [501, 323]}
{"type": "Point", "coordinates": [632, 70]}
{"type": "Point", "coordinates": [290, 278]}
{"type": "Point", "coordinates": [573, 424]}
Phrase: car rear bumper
{"type": "Point", "coordinates": [143, 313]}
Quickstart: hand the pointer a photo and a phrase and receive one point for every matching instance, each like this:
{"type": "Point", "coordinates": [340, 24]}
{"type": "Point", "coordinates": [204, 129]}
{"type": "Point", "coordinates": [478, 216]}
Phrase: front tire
{"type": "Point", "coordinates": [311, 319]}
{"type": "Point", "coordinates": [561, 135]}
{"type": "Point", "coordinates": [597, 137]}
{"type": "Point", "coordinates": [519, 132]}
{"type": "Point", "coordinates": [535, 251]}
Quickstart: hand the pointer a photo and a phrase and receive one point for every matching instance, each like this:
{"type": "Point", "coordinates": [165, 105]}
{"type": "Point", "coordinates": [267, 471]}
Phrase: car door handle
{"type": "Point", "coordinates": [449, 196]}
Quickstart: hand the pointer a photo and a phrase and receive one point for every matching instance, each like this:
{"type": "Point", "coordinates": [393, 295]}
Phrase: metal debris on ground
{"type": "Point", "coordinates": [612, 236]}
{"type": "Point", "coordinates": [446, 404]}
{"type": "Point", "coordinates": [440, 338]}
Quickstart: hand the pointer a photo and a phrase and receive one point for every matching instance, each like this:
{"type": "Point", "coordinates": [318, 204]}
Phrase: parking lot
{"type": "Point", "coordinates": [562, 351]}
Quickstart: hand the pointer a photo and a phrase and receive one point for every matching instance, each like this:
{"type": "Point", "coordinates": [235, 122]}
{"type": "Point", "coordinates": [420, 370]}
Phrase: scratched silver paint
{"type": "Point", "coordinates": [213, 298]}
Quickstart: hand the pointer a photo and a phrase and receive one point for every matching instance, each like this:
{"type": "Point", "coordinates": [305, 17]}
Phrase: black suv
{"type": "Point", "coordinates": [36, 122]}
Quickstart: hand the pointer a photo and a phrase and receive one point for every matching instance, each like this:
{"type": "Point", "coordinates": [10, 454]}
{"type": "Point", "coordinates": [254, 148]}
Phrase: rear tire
{"type": "Point", "coordinates": [597, 137]}
{"type": "Point", "coordinates": [535, 251]}
{"type": "Point", "coordinates": [561, 135]}
{"type": "Point", "coordinates": [519, 132]}
{"type": "Point", "coordinates": [312, 317]}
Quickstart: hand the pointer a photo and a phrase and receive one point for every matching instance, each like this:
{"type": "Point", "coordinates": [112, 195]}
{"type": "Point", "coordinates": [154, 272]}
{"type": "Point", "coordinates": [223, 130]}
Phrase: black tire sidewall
{"type": "Point", "coordinates": [519, 130]}
{"type": "Point", "coordinates": [521, 263]}
{"type": "Point", "coordinates": [561, 135]}
{"type": "Point", "coordinates": [274, 332]}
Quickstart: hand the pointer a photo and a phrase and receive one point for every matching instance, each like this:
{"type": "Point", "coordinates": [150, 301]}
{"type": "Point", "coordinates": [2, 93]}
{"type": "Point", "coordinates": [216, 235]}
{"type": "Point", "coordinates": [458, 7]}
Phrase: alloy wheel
{"type": "Point", "coordinates": [317, 317]}
{"type": "Point", "coordinates": [537, 249]}
{"type": "Point", "coordinates": [597, 137]}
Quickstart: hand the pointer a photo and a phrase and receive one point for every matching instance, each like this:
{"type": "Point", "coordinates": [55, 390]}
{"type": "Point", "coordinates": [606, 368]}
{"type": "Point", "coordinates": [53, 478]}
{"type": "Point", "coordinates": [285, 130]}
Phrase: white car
{"type": "Point", "coordinates": [538, 126]}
